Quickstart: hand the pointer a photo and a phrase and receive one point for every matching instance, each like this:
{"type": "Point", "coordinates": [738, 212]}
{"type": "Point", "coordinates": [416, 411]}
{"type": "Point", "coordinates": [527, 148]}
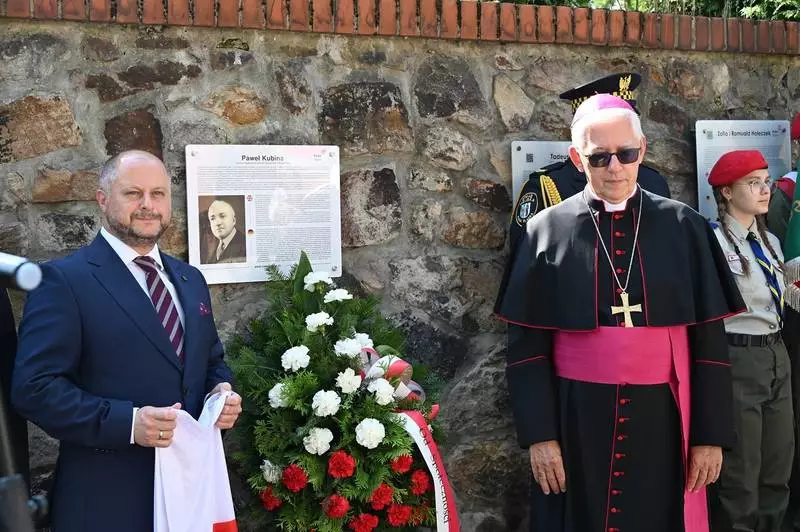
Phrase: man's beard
{"type": "Point", "coordinates": [131, 236]}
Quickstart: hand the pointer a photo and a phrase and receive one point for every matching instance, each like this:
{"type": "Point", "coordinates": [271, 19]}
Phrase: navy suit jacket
{"type": "Point", "coordinates": [91, 348]}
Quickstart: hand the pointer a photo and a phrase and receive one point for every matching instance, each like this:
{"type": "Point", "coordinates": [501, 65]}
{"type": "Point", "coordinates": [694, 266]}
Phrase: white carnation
{"type": "Point", "coordinates": [375, 372]}
{"type": "Point", "coordinates": [315, 321]}
{"type": "Point", "coordinates": [348, 381]}
{"type": "Point", "coordinates": [370, 433]}
{"type": "Point", "coordinates": [276, 399]}
{"type": "Point", "coordinates": [383, 390]}
{"type": "Point", "coordinates": [272, 473]}
{"type": "Point", "coordinates": [325, 403]}
{"type": "Point", "coordinates": [364, 340]}
{"type": "Point", "coordinates": [340, 294]}
{"type": "Point", "coordinates": [348, 347]}
{"type": "Point", "coordinates": [295, 358]}
{"type": "Point", "coordinates": [313, 278]}
{"type": "Point", "coordinates": [318, 441]}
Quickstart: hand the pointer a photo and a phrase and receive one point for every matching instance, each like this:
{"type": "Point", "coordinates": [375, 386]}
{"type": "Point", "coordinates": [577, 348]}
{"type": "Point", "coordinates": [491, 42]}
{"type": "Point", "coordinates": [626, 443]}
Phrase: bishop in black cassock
{"type": "Point", "coordinates": [617, 352]}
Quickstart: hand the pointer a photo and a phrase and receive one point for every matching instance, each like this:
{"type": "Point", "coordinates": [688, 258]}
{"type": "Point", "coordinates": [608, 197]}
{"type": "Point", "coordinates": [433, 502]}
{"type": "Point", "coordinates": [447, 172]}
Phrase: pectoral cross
{"type": "Point", "coordinates": [626, 309]}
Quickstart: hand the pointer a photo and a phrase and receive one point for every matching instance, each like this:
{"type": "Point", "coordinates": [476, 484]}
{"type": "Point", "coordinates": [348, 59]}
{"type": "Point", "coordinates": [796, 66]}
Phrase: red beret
{"type": "Point", "coordinates": [734, 165]}
{"type": "Point", "coordinates": [795, 129]}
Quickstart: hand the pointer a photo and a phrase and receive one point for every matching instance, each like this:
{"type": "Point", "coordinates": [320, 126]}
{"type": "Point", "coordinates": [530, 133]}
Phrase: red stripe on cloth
{"type": "Point", "coordinates": [227, 526]}
{"type": "Point", "coordinates": [522, 323]}
{"type": "Point", "coordinates": [449, 501]}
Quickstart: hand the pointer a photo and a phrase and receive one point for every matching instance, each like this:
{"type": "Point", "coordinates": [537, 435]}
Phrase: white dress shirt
{"type": "Point", "coordinates": [127, 255]}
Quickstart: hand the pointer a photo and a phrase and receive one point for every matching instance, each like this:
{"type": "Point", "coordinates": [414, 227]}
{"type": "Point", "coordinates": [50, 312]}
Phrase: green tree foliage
{"type": "Point", "coordinates": [755, 9]}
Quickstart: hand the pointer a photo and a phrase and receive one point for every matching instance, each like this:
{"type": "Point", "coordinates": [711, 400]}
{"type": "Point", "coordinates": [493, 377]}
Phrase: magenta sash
{"type": "Point", "coordinates": [638, 355]}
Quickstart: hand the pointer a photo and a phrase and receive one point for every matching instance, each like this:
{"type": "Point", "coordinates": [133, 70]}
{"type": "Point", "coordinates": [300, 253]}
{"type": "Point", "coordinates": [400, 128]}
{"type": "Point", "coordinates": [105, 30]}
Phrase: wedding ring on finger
{"type": "Point", "coordinates": [160, 434]}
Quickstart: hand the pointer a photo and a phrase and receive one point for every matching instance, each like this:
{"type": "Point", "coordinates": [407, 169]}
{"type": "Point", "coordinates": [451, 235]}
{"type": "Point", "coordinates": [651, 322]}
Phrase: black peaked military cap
{"type": "Point", "coordinates": [622, 85]}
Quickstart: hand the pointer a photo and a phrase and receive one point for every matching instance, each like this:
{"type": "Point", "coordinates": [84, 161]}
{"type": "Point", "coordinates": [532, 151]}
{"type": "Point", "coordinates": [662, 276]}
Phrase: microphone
{"type": "Point", "coordinates": [19, 272]}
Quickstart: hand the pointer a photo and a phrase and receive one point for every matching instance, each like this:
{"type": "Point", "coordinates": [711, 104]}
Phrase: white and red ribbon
{"type": "Point", "coordinates": [417, 427]}
{"type": "Point", "coordinates": [391, 367]}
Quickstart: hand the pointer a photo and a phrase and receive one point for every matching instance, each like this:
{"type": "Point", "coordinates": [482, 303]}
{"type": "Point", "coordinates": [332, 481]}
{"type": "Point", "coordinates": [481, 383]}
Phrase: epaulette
{"type": "Point", "coordinates": [550, 194]}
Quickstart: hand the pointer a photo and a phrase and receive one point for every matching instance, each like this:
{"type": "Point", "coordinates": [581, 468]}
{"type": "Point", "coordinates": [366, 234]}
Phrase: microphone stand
{"type": "Point", "coordinates": [17, 512]}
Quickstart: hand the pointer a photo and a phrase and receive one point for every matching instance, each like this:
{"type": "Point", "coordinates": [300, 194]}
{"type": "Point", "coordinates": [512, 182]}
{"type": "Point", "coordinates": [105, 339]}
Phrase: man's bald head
{"type": "Point", "coordinates": [111, 169]}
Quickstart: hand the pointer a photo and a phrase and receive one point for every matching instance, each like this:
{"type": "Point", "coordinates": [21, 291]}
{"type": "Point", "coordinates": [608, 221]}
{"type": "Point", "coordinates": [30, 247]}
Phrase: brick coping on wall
{"type": "Point", "coordinates": [452, 19]}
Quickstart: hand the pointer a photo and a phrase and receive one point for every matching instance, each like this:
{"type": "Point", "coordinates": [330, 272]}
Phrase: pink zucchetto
{"type": "Point", "coordinates": [599, 102]}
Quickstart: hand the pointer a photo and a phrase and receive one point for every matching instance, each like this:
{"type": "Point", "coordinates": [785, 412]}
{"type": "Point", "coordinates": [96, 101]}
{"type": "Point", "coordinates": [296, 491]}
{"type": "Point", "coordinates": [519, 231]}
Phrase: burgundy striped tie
{"type": "Point", "coordinates": [162, 301]}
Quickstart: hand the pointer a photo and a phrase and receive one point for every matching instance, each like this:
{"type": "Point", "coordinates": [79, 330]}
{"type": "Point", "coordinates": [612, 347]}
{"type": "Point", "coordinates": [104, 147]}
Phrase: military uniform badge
{"type": "Point", "coordinates": [526, 208]}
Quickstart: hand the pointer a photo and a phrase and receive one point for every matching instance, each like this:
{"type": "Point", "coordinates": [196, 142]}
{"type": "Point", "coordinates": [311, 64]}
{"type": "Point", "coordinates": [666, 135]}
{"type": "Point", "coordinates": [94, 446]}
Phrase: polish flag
{"type": "Point", "coordinates": [192, 492]}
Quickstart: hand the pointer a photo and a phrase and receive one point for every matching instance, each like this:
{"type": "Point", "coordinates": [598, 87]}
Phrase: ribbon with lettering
{"type": "Point", "coordinates": [415, 424]}
{"type": "Point", "coordinates": [446, 514]}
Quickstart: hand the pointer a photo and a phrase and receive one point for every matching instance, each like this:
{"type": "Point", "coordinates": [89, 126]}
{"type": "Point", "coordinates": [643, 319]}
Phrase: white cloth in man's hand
{"type": "Point", "coordinates": [192, 492]}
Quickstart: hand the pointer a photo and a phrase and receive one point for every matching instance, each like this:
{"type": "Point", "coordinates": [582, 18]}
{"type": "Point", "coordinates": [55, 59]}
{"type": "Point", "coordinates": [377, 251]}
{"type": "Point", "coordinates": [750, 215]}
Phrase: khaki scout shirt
{"type": "Point", "coordinates": [761, 316]}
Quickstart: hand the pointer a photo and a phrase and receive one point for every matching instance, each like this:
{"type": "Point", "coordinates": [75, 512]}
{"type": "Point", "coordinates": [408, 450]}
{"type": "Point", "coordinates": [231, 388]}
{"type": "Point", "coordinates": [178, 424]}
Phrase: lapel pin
{"type": "Point", "coordinates": [184, 278]}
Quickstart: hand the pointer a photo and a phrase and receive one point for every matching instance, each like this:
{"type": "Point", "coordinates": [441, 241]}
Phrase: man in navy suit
{"type": "Point", "coordinates": [115, 339]}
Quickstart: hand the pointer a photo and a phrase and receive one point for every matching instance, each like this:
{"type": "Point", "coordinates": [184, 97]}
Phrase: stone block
{"type": "Point", "coordinates": [54, 186]}
{"type": "Point", "coordinates": [34, 126]}
{"type": "Point", "coordinates": [136, 130]}
{"type": "Point", "coordinates": [446, 87]}
{"type": "Point", "coordinates": [515, 108]}
{"type": "Point", "coordinates": [473, 230]}
{"type": "Point", "coordinates": [447, 148]}
{"type": "Point", "coordinates": [365, 117]}
{"type": "Point", "coordinates": [370, 207]}
{"type": "Point", "coordinates": [238, 105]}
{"type": "Point", "coordinates": [488, 194]}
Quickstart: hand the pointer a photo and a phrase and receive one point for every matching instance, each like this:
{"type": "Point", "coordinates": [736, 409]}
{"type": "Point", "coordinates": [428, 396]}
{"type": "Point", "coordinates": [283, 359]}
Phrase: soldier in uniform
{"type": "Point", "coordinates": [556, 182]}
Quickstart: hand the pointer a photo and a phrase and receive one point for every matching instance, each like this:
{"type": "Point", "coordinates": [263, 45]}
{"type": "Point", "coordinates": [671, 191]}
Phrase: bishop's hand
{"type": "Point", "coordinates": [705, 464]}
{"type": "Point", "coordinates": [548, 467]}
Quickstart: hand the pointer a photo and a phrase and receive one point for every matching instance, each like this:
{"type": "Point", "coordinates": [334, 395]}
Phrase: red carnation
{"type": "Point", "coordinates": [270, 501]}
{"type": "Point", "coordinates": [420, 482]}
{"type": "Point", "coordinates": [381, 497]}
{"type": "Point", "coordinates": [335, 506]}
{"type": "Point", "coordinates": [402, 464]}
{"type": "Point", "coordinates": [399, 514]}
{"type": "Point", "coordinates": [363, 523]}
{"type": "Point", "coordinates": [341, 465]}
{"type": "Point", "coordinates": [294, 478]}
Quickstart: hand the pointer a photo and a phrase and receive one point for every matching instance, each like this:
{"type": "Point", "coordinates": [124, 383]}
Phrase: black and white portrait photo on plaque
{"type": "Point", "coordinates": [222, 229]}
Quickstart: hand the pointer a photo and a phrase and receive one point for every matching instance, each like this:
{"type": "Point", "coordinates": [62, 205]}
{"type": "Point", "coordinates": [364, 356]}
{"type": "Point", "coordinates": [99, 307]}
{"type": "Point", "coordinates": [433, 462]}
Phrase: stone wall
{"type": "Point", "coordinates": [425, 128]}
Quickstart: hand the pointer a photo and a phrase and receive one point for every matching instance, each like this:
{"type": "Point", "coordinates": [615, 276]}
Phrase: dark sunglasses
{"type": "Point", "coordinates": [603, 158]}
